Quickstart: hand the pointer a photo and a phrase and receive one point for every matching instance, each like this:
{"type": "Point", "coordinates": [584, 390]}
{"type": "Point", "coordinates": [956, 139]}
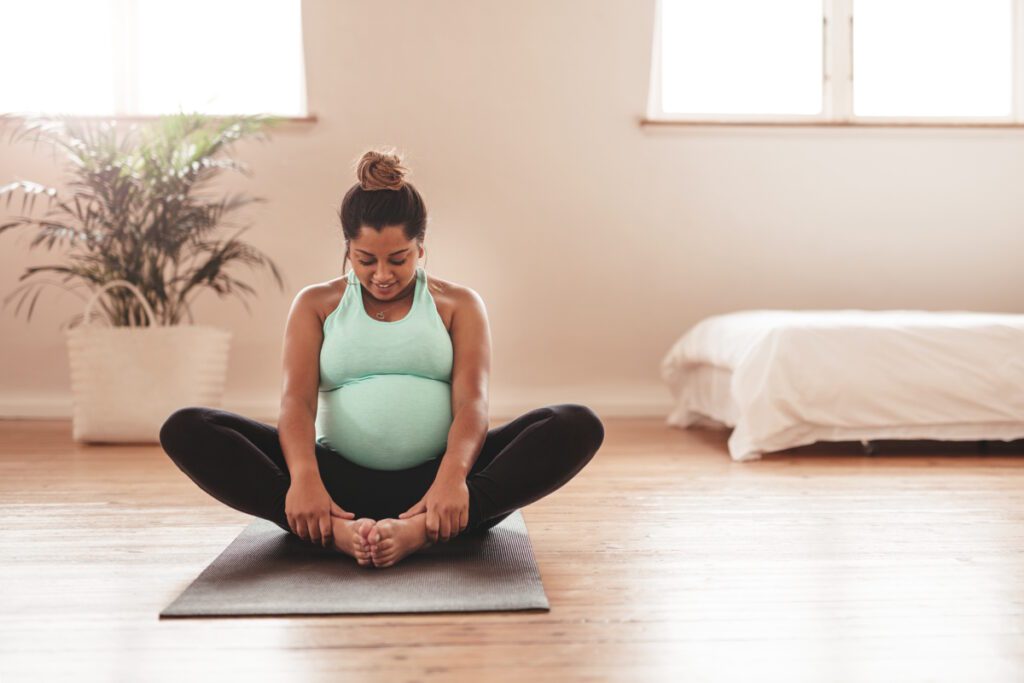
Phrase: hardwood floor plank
{"type": "Point", "coordinates": [662, 560]}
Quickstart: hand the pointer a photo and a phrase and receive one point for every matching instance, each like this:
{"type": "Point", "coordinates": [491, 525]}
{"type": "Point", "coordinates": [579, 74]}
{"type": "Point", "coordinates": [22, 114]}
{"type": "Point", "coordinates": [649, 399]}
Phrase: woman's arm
{"type": "Point", "coordinates": [303, 338]}
{"type": "Point", "coordinates": [471, 342]}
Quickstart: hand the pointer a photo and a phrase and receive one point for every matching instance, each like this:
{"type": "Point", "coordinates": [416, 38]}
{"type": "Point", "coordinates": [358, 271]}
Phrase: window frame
{"type": "Point", "coordinates": [837, 83]}
{"type": "Point", "coordinates": [126, 77]}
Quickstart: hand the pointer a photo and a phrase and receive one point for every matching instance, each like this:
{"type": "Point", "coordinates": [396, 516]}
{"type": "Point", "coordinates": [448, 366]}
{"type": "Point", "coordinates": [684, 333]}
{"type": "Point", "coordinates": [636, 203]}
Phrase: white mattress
{"type": "Point", "coordinates": [789, 378]}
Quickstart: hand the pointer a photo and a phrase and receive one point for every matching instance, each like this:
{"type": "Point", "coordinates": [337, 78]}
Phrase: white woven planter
{"type": "Point", "coordinates": [125, 381]}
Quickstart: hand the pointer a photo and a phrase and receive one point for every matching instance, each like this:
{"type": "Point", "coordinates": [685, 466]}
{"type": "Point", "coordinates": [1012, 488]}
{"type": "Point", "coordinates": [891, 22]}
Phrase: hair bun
{"type": "Point", "coordinates": [381, 170]}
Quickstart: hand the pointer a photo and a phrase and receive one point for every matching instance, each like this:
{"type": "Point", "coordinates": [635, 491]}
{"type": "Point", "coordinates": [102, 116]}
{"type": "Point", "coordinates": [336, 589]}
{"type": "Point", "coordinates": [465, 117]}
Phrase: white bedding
{"type": "Point", "coordinates": [788, 378]}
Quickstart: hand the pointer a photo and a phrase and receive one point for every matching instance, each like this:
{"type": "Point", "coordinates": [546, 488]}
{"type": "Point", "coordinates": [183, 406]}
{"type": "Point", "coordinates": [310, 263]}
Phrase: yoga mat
{"type": "Point", "coordinates": [268, 571]}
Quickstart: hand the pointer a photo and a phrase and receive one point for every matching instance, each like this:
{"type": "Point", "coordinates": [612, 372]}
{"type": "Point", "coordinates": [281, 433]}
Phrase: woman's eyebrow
{"type": "Point", "coordinates": [391, 254]}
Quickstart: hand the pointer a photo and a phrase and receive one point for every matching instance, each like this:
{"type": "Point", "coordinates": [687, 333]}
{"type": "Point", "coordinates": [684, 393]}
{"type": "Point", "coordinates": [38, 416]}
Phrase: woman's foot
{"type": "Point", "coordinates": [350, 537]}
{"type": "Point", "coordinates": [393, 539]}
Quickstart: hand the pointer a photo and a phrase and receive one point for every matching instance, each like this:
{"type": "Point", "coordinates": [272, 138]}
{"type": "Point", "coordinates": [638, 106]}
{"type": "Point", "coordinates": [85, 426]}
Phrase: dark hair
{"type": "Point", "coordinates": [382, 197]}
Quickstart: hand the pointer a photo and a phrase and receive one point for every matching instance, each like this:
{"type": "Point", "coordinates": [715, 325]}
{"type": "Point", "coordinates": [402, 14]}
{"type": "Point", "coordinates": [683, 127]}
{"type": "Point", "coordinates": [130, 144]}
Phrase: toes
{"type": "Point", "coordinates": [381, 530]}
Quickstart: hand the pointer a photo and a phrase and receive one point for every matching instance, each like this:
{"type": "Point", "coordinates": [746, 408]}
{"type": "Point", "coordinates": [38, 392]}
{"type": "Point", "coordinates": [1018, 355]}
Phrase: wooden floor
{"type": "Point", "coordinates": [663, 561]}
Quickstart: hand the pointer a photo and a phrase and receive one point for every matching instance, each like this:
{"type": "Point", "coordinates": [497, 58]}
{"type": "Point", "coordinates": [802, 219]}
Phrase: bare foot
{"type": "Point", "coordinates": [350, 538]}
{"type": "Point", "coordinates": [393, 539]}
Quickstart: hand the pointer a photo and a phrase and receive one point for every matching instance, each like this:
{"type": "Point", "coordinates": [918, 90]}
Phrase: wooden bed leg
{"type": "Point", "coordinates": [869, 447]}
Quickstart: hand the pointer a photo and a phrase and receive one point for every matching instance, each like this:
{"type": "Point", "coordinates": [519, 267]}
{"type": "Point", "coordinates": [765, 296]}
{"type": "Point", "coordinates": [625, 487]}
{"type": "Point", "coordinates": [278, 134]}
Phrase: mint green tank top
{"type": "Point", "coordinates": [385, 387]}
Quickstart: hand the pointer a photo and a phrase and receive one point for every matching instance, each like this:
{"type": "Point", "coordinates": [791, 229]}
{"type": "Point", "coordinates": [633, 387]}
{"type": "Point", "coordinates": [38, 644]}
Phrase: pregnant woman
{"type": "Point", "coordinates": [382, 446]}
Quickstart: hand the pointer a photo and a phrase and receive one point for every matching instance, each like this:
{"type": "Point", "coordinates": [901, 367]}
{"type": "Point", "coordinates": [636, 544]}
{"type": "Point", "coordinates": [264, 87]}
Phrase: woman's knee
{"type": "Point", "coordinates": [181, 426]}
{"type": "Point", "coordinates": [581, 425]}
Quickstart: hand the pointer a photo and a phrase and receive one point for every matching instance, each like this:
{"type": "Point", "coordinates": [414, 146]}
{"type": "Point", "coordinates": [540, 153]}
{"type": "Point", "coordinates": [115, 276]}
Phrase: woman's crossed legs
{"type": "Point", "coordinates": [239, 461]}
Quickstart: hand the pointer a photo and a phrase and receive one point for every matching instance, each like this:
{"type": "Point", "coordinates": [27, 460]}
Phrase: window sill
{"type": "Point", "coordinates": [830, 124]}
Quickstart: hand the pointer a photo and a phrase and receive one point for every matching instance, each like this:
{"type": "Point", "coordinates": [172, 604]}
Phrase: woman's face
{"type": "Point", "coordinates": [384, 258]}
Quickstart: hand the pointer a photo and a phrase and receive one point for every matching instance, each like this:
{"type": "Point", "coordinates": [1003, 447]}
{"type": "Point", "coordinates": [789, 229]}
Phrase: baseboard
{"type": "Point", "coordinates": [629, 401]}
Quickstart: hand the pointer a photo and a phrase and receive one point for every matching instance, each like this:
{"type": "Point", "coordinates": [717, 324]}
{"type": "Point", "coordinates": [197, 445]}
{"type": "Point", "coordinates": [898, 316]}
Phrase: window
{"type": "Point", "coordinates": [928, 58]}
{"type": "Point", "coordinates": [742, 57]}
{"type": "Point", "coordinates": [838, 61]}
{"type": "Point", "coordinates": [151, 57]}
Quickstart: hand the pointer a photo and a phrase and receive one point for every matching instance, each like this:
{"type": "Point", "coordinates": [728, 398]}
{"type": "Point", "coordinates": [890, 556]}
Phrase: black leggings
{"type": "Point", "coordinates": [239, 462]}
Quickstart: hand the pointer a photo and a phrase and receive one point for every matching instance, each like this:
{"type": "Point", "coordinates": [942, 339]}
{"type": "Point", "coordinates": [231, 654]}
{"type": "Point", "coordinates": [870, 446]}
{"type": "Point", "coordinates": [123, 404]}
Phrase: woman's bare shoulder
{"type": "Point", "coordinates": [324, 297]}
{"type": "Point", "coordinates": [447, 287]}
{"type": "Point", "coordinates": [450, 296]}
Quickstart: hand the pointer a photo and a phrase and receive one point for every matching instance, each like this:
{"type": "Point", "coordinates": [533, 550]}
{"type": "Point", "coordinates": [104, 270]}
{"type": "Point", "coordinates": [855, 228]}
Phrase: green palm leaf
{"type": "Point", "coordinates": [135, 208]}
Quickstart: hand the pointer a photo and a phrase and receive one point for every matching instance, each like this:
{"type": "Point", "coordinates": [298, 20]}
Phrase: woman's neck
{"type": "Point", "coordinates": [404, 294]}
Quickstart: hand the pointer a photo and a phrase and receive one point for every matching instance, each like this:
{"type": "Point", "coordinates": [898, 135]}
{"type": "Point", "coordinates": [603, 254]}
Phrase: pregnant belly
{"type": "Point", "coordinates": [386, 422]}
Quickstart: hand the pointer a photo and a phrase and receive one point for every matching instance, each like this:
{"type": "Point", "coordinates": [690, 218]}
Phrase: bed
{"type": "Point", "coordinates": [783, 378]}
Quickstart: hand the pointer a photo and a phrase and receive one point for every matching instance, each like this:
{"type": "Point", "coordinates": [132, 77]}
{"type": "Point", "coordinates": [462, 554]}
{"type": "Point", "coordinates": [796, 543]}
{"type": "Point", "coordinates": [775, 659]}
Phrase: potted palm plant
{"type": "Point", "coordinates": [142, 239]}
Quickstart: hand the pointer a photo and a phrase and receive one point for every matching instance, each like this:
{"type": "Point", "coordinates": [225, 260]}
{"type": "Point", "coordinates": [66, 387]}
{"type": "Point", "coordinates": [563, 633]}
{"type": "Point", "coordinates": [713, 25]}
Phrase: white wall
{"type": "Point", "coordinates": [594, 242]}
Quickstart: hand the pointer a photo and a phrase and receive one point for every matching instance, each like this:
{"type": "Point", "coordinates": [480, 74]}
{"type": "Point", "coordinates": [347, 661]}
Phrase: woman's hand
{"type": "Point", "coordinates": [446, 503]}
{"type": "Point", "coordinates": [309, 507]}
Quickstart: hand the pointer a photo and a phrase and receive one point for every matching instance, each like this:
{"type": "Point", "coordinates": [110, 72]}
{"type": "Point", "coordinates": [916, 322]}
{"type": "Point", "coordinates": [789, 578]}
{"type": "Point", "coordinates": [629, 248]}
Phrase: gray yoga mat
{"type": "Point", "coordinates": [268, 571]}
